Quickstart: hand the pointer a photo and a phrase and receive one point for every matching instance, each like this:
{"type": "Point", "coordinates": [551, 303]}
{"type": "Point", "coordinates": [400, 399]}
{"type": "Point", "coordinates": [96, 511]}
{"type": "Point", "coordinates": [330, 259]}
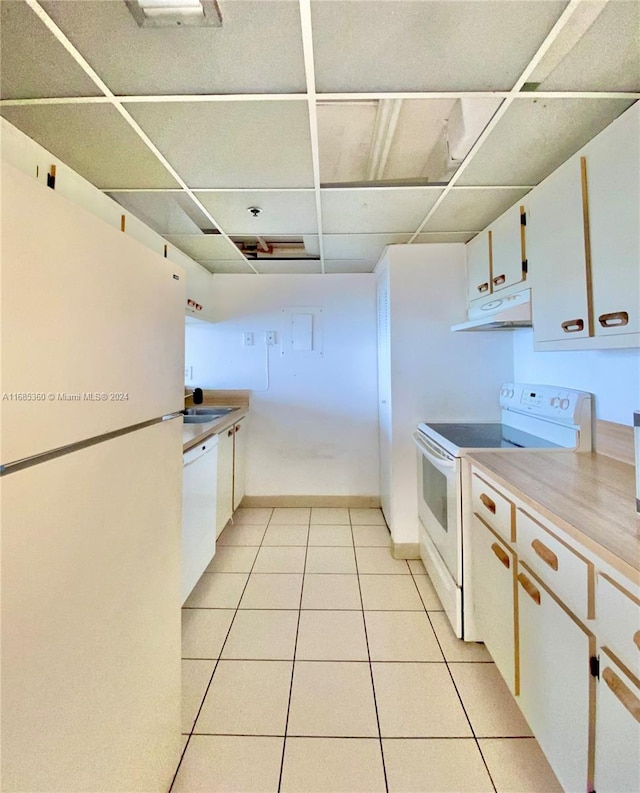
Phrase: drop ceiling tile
{"type": "Point", "coordinates": [236, 267]}
{"type": "Point", "coordinates": [95, 141]}
{"type": "Point", "coordinates": [376, 210]}
{"type": "Point", "coordinates": [350, 265]}
{"type": "Point", "coordinates": [281, 212]}
{"type": "Point", "coordinates": [258, 48]}
{"type": "Point", "coordinates": [606, 57]}
{"type": "Point", "coordinates": [232, 144]}
{"type": "Point", "coordinates": [166, 213]}
{"type": "Point", "coordinates": [472, 210]}
{"type": "Point", "coordinates": [535, 136]}
{"type": "Point", "coordinates": [32, 62]}
{"type": "Point", "coordinates": [359, 246]}
{"type": "Point", "coordinates": [452, 236]}
{"type": "Point", "coordinates": [407, 46]}
{"type": "Point", "coordinates": [294, 267]}
{"type": "Point", "coordinates": [205, 246]}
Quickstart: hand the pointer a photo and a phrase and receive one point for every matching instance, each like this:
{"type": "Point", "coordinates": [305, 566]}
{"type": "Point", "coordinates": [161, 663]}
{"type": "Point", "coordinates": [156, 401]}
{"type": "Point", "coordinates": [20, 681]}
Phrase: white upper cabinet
{"type": "Point", "coordinates": [508, 249]}
{"type": "Point", "coordinates": [613, 188]}
{"type": "Point", "coordinates": [199, 285]}
{"type": "Point", "coordinates": [556, 253]}
{"type": "Point", "coordinates": [478, 266]}
{"type": "Point", "coordinates": [496, 256]}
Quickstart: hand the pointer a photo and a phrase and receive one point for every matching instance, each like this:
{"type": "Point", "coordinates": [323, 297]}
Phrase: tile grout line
{"type": "Point", "coordinates": [464, 710]}
{"type": "Point", "coordinates": [217, 661]}
{"type": "Point", "coordinates": [366, 638]}
{"type": "Point", "coordinates": [295, 649]}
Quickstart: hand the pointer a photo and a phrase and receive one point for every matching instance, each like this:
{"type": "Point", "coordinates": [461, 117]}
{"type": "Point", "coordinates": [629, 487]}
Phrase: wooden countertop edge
{"type": "Point", "coordinates": [216, 426]}
{"type": "Point", "coordinates": [619, 564]}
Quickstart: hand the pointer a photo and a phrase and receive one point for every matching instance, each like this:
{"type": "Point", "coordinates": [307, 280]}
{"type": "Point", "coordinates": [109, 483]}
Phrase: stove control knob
{"type": "Point", "coordinates": [511, 393]}
{"type": "Point", "coordinates": [564, 404]}
{"type": "Point", "coordinates": [504, 392]}
{"type": "Point", "coordinates": [555, 402]}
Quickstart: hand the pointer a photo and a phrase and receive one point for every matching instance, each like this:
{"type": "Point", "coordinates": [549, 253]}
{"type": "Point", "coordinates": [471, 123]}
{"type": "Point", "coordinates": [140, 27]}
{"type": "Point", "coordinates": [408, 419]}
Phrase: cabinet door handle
{"type": "Point", "coordinates": [615, 319]}
{"type": "Point", "coordinates": [546, 554]}
{"type": "Point", "coordinates": [622, 692]}
{"type": "Point", "coordinates": [502, 555]}
{"type": "Point", "coordinates": [499, 279]}
{"type": "Point", "coordinates": [529, 588]}
{"type": "Point", "coordinates": [636, 639]}
{"type": "Point", "coordinates": [572, 325]}
{"type": "Point", "coordinates": [230, 433]}
{"type": "Point", "coordinates": [489, 503]}
{"type": "Point", "coordinates": [237, 428]}
{"type": "Point", "coordinates": [483, 287]}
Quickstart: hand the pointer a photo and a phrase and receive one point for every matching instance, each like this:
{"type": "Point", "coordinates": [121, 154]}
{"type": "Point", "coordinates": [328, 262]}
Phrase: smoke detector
{"type": "Point", "coordinates": [254, 211]}
{"type": "Point", "coordinates": [175, 13]}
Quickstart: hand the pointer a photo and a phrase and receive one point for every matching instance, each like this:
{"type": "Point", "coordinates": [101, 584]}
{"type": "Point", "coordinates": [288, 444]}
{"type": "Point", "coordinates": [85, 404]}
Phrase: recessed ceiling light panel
{"type": "Point", "coordinates": [175, 13]}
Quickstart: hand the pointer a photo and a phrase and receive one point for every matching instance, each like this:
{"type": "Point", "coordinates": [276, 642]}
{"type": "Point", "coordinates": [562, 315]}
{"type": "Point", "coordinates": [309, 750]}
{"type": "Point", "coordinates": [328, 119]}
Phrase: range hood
{"type": "Point", "coordinates": [499, 313]}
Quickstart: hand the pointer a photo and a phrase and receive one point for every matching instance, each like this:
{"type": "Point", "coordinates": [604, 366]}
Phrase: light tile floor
{"type": "Point", "coordinates": [314, 662]}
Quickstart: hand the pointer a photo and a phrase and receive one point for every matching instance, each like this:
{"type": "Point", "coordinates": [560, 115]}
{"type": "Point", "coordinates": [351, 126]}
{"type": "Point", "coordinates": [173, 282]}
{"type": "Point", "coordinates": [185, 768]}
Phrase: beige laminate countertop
{"type": "Point", "coordinates": [193, 434]}
{"type": "Point", "coordinates": [590, 496]}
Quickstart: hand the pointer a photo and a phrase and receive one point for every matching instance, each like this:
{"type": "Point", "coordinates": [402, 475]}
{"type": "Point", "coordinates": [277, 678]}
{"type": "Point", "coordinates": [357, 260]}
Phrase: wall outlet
{"type": "Point", "coordinates": [270, 338]}
{"type": "Point", "coordinates": [247, 339]}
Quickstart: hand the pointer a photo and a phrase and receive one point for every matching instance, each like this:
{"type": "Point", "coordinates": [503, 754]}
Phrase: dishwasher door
{"type": "Point", "coordinates": [199, 478]}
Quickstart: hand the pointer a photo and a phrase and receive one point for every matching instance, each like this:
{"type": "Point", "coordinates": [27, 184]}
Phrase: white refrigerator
{"type": "Point", "coordinates": [92, 346]}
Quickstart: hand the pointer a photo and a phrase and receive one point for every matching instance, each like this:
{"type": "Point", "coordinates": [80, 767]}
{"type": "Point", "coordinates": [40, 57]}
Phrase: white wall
{"type": "Point", "coordinates": [313, 420]}
{"type": "Point", "coordinates": [612, 375]}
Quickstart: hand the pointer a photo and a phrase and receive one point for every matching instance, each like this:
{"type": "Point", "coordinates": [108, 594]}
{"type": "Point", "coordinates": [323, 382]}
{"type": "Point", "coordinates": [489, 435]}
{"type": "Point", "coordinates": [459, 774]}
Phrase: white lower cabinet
{"type": "Point", "coordinates": [617, 730]}
{"type": "Point", "coordinates": [556, 687]}
{"type": "Point", "coordinates": [239, 461]}
{"type": "Point", "coordinates": [494, 573]}
{"type": "Point", "coordinates": [224, 507]}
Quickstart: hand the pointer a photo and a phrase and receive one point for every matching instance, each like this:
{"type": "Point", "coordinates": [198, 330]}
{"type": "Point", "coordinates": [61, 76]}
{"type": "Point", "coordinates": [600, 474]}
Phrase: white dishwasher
{"type": "Point", "coordinates": [200, 468]}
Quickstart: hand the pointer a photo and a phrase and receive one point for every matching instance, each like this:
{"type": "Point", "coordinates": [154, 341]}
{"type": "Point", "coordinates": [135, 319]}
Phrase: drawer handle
{"type": "Point", "coordinates": [483, 287]}
{"type": "Point", "coordinates": [502, 555]}
{"type": "Point", "coordinates": [489, 503]}
{"type": "Point", "coordinates": [572, 325]}
{"type": "Point", "coordinates": [546, 554]}
{"type": "Point", "coordinates": [614, 319]}
{"type": "Point", "coordinates": [622, 692]}
{"type": "Point", "coordinates": [636, 639]}
{"type": "Point", "coordinates": [499, 279]}
{"type": "Point", "coordinates": [529, 588]}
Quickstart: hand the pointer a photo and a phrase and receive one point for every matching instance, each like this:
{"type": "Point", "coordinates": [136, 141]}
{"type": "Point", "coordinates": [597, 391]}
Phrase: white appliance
{"type": "Point", "coordinates": [499, 312]}
{"type": "Point", "coordinates": [199, 504]}
{"type": "Point", "coordinates": [91, 464]}
{"type": "Point", "coordinates": [533, 417]}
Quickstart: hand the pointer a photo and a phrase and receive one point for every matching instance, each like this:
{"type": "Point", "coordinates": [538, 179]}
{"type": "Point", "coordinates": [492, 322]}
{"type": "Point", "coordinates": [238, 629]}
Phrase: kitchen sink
{"type": "Point", "coordinates": [208, 411]}
{"type": "Point", "coordinates": [201, 419]}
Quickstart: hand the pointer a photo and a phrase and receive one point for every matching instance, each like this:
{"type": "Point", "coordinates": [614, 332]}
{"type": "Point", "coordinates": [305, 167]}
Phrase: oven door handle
{"type": "Point", "coordinates": [440, 459]}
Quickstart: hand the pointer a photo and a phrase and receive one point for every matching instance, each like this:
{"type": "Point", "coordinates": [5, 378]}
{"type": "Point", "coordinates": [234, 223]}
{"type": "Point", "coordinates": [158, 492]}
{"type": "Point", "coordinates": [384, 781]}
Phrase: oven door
{"type": "Point", "coordinates": [439, 501]}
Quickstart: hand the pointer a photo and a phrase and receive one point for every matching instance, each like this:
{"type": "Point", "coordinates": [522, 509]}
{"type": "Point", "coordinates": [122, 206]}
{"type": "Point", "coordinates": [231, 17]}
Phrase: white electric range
{"type": "Point", "coordinates": [533, 417]}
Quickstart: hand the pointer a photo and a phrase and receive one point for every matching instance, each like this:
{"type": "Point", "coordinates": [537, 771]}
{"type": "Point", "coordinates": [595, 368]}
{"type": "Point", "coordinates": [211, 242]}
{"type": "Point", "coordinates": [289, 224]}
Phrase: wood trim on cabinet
{"type": "Point", "coordinates": [620, 588]}
{"type": "Point", "coordinates": [622, 692]}
{"type": "Point", "coordinates": [636, 639]}
{"type": "Point", "coordinates": [614, 658]}
{"type": "Point", "coordinates": [503, 556]}
{"type": "Point", "coordinates": [123, 222]}
{"type": "Point", "coordinates": [587, 245]}
{"type": "Point", "coordinates": [489, 503]}
{"type": "Point", "coordinates": [591, 573]}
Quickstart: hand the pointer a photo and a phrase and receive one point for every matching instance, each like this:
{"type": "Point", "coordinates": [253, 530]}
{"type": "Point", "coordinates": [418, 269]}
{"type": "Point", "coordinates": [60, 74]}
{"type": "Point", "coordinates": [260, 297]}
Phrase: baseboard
{"type": "Point", "coordinates": [405, 550]}
{"type": "Point", "coordinates": [355, 502]}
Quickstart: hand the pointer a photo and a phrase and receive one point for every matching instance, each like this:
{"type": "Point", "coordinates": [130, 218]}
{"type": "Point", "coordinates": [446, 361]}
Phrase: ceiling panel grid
{"type": "Point", "coordinates": [350, 125]}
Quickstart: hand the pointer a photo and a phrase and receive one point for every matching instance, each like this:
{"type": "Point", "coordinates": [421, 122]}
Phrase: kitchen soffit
{"type": "Point", "coordinates": [239, 123]}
